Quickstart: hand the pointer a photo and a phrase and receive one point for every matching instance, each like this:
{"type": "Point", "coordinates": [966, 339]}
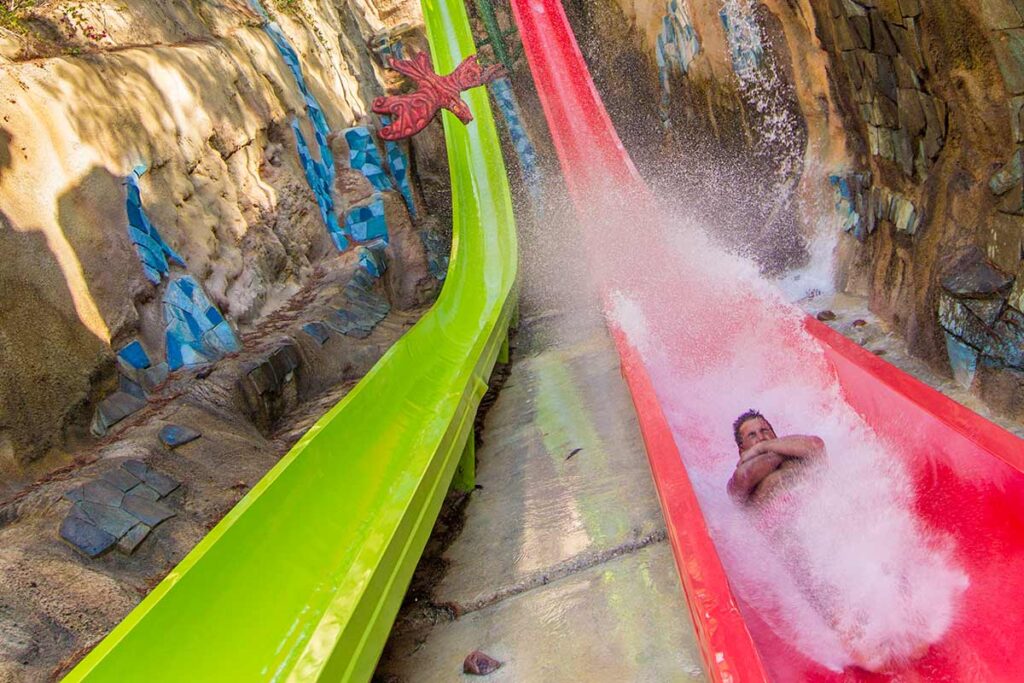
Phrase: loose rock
{"type": "Point", "coordinates": [480, 664]}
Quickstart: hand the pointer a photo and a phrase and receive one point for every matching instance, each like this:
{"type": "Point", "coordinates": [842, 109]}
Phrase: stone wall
{"type": "Point", "coordinates": [909, 129]}
{"type": "Point", "coordinates": [200, 99]}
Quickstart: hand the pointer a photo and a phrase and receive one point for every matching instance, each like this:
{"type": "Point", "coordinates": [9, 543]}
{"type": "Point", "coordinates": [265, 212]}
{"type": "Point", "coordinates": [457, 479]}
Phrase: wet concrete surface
{"type": "Point", "coordinates": [561, 570]}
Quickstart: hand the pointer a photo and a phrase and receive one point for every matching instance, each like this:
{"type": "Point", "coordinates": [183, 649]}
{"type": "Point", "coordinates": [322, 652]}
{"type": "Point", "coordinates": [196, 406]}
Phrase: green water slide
{"type": "Point", "coordinates": [303, 578]}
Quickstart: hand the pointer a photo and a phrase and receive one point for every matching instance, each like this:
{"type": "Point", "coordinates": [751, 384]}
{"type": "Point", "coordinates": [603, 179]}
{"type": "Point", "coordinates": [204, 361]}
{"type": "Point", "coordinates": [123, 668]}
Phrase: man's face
{"type": "Point", "coordinates": [754, 431]}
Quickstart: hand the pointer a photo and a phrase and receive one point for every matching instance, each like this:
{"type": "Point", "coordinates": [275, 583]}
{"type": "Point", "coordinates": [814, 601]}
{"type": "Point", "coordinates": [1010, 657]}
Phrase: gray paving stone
{"type": "Point", "coordinates": [152, 377]}
{"type": "Point", "coordinates": [146, 511]}
{"type": "Point", "coordinates": [145, 492]}
{"type": "Point", "coordinates": [74, 495]}
{"type": "Point", "coordinates": [973, 276]}
{"type": "Point", "coordinates": [131, 540]}
{"type": "Point", "coordinates": [113, 520]}
{"type": "Point", "coordinates": [136, 467]}
{"type": "Point", "coordinates": [85, 537]}
{"type": "Point", "coordinates": [160, 482]}
{"type": "Point", "coordinates": [113, 409]}
{"type": "Point", "coordinates": [102, 492]}
{"type": "Point", "coordinates": [120, 478]}
{"type": "Point", "coordinates": [130, 386]}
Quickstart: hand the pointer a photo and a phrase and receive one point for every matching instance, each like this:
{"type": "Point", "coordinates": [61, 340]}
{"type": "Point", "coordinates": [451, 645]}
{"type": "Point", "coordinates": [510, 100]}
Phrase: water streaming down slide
{"type": "Point", "coordinates": [904, 555]}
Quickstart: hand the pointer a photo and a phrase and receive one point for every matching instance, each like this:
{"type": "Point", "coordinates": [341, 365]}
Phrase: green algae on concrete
{"type": "Point", "coordinates": [539, 508]}
{"type": "Point", "coordinates": [561, 570]}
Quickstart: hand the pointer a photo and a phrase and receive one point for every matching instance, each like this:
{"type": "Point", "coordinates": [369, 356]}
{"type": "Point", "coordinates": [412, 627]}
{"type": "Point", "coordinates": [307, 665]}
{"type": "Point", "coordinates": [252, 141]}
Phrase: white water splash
{"type": "Point", "coordinates": [842, 569]}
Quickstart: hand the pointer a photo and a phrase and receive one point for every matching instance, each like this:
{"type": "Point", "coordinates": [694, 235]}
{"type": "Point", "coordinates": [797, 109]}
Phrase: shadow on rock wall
{"type": "Point", "coordinates": [43, 349]}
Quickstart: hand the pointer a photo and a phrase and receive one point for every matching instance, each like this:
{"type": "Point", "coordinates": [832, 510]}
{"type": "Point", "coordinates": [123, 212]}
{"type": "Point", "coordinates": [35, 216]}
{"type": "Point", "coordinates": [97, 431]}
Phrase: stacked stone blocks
{"type": "Point", "coordinates": [118, 509]}
{"type": "Point", "coordinates": [879, 45]}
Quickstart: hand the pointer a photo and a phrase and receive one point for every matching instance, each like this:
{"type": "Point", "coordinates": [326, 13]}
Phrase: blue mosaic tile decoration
{"type": "Point", "coordinates": [372, 259]}
{"type": "Point", "coordinates": [319, 173]}
{"type": "Point", "coordinates": [398, 164]}
{"type": "Point", "coordinates": [744, 37]}
{"type": "Point", "coordinates": [365, 223]}
{"type": "Point", "coordinates": [318, 180]}
{"type": "Point", "coordinates": [155, 254]}
{"type": "Point", "coordinates": [506, 99]}
{"type": "Point", "coordinates": [845, 206]}
{"type": "Point", "coordinates": [363, 156]}
{"type": "Point", "coordinates": [675, 49]}
{"type": "Point", "coordinates": [197, 333]}
{"type": "Point", "coordinates": [862, 206]}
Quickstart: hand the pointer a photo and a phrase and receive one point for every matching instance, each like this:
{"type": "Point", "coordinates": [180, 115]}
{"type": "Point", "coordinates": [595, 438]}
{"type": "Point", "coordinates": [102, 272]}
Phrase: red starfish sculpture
{"type": "Point", "coordinates": [414, 111]}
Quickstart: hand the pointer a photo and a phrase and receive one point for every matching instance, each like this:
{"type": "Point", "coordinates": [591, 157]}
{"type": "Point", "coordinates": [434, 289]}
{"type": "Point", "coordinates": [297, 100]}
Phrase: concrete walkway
{"type": "Point", "coordinates": [562, 571]}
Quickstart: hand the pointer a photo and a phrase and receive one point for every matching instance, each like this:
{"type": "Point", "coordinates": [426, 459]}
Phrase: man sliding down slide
{"type": "Point", "coordinates": [767, 481]}
{"type": "Point", "coordinates": [766, 461]}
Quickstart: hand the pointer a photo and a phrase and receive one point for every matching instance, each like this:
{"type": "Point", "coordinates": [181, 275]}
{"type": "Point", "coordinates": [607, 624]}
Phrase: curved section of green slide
{"type": "Point", "coordinates": [303, 578]}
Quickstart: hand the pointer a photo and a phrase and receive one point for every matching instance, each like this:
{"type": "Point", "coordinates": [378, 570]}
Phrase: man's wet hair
{"type": "Point", "coordinates": [749, 415]}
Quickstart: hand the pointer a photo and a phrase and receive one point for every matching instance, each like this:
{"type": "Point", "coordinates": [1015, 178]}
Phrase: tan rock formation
{"type": "Point", "coordinates": [199, 93]}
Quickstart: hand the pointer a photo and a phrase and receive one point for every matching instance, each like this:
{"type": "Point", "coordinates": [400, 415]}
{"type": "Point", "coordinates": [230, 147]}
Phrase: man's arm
{"type": "Point", "coordinates": [795, 446]}
{"type": "Point", "coordinates": [750, 472]}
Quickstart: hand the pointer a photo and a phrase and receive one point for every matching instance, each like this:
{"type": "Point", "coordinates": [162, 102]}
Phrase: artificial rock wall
{"type": "Point", "coordinates": [200, 101]}
{"type": "Point", "coordinates": [902, 117]}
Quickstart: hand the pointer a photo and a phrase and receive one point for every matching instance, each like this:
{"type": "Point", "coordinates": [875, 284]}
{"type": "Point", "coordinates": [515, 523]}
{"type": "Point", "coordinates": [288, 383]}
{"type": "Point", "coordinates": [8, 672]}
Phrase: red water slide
{"type": "Point", "coordinates": [966, 473]}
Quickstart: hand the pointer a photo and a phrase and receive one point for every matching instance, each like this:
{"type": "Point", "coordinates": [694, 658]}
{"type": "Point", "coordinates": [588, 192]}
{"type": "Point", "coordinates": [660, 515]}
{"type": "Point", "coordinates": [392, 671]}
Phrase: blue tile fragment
{"type": "Point", "coordinates": [317, 331]}
{"type": "Point", "coordinates": [501, 89]}
{"type": "Point", "coordinates": [963, 360]}
{"type": "Point", "coordinates": [134, 355]}
{"type": "Point", "coordinates": [744, 38]}
{"type": "Point", "coordinates": [372, 258]}
{"type": "Point", "coordinates": [174, 357]}
{"type": "Point", "coordinates": [155, 254]}
{"type": "Point", "coordinates": [363, 156]}
{"type": "Point", "coordinates": [398, 164]}
{"type": "Point", "coordinates": [365, 223]}
{"type": "Point", "coordinates": [214, 316]}
{"type": "Point", "coordinates": [319, 172]}
{"type": "Point", "coordinates": [193, 337]}
{"type": "Point", "coordinates": [173, 436]}
{"type": "Point", "coordinates": [320, 179]}
{"type": "Point", "coordinates": [675, 49]}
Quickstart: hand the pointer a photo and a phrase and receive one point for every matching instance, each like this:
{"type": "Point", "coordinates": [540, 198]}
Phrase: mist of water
{"type": "Point", "coordinates": [840, 567]}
